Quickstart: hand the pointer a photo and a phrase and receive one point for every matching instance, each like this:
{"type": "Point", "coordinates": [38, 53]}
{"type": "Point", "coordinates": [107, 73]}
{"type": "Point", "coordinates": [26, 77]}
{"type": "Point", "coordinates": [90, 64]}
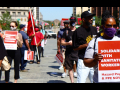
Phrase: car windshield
{"type": "Point", "coordinates": [50, 31]}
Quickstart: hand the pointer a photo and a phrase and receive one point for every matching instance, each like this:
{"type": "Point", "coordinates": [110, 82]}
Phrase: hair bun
{"type": "Point", "coordinates": [106, 13]}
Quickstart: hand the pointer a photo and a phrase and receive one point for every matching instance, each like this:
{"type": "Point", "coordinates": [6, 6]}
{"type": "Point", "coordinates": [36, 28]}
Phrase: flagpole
{"type": "Point", "coordinates": [34, 32]}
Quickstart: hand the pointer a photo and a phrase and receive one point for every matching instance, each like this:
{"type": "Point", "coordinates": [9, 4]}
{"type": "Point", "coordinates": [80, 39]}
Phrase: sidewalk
{"type": "Point", "coordinates": [45, 72]}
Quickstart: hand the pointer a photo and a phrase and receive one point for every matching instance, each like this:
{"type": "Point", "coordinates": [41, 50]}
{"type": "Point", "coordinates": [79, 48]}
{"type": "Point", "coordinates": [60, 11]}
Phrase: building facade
{"type": "Point", "coordinates": [99, 10]}
{"type": "Point", "coordinates": [79, 10]}
{"type": "Point", "coordinates": [17, 13]}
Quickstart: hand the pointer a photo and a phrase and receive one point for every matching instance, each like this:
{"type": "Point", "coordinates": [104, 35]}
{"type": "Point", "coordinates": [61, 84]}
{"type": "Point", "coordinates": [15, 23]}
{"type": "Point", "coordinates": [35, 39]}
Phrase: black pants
{"type": "Point", "coordinates": [42, 51]}
{"type": "Point", "coordinates": [33, 48]}
{"type": "Point", "coordinates": [13, 54]}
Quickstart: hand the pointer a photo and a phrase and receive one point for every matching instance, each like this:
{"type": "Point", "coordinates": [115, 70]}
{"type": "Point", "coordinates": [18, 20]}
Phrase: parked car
{"type": "Point", "coordinates": [51, 34]}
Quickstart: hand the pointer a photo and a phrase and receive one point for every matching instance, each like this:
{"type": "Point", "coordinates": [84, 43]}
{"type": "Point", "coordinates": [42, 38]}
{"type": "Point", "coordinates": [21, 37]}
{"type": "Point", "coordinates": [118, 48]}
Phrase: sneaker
{"type": "Point", "coordinates": [25, 70]}
{"type": "Point", "coordinates": [75, 74]}
{"type": "Point", "coordinates": [60, 68]}
{"type": "Point", "coordinates": [64, 75]}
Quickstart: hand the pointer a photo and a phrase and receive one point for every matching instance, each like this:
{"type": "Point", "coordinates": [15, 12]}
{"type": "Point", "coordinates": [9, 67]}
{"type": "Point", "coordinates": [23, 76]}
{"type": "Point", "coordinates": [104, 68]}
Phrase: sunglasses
{"type": "Point", "coordinates": [110, 26]}
{"type": "Point", "coordinates": [12, 26]}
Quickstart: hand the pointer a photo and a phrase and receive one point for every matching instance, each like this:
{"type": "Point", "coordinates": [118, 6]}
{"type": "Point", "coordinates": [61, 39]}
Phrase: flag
{"type": "Point", "coordinates": [30, 26]}
{"type": "Point", "coordinates": [79, 21]}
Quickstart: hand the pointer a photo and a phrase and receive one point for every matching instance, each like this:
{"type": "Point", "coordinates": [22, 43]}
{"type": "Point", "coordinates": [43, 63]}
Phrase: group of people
{"type": "Point", "coordinates": [80, 45]}
{"type": "Point", "coordinates": [22, 45]}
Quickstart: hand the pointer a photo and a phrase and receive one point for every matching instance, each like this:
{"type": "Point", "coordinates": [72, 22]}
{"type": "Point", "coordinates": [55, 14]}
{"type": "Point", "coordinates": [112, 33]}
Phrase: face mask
{"type": "Point", "coordinates": [25, 29]}
{"type": "Point", "coordinates": [72, 24]}
{"type": "Point", "coordinates": [110, 31]}
{"type": "Point", "coordinates": [13, 29]}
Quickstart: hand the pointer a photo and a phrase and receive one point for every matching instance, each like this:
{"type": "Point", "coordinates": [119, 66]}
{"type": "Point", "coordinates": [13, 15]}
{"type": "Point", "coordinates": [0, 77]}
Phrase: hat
{"type": "Point", "coordinates": [66, 22]}
{"type": "Point", "coordinates": [73, 19]}
{"type": "Point", "coordinates": [21, 26]}
{"type": "Point", "coordinates": [86, 14]}
{"type": "Point", "coordinates": [36, 29]}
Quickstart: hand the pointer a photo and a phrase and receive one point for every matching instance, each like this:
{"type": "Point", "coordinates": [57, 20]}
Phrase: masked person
{"type": "Point", "coordinates": [61, 49]}
{"type": "Point", "coordinates": [92, 56]}
{"type": "Point", "coordinates": [39, 38]}
{"type": "Point", "coordinates": [42, 43]}
{"type": "Point", "coordinates": [81, 38]}
{"type": "Point", "coordinates": [70, 54]}
{"type": "Point", "coordinates": [25, 46]}
{"type": "Point", "coordinates": [14, 54]}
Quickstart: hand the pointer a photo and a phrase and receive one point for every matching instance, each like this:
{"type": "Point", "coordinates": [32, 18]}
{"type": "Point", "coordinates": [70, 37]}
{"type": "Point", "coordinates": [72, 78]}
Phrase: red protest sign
{"type": "Point", "coordinates": [29, 55]}
{"type": "Point", "coordinates": [59, 58]}
{"type": "Point", "coordinates": [63, 19]}
{"type": "Point", "coordinates": [10, 41]}
{"type": "Point", "coordinates": [109, 66]}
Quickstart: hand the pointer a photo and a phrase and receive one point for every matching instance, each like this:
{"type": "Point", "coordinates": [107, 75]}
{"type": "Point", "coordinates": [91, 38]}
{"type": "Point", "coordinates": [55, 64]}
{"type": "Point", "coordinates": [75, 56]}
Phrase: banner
{"type": "Point", "coordinates": [109, 66]}
{"type": "Point", "coordinates": [59, 58]}
{"type": "Point", "coordinates": [79, 21]}
{"type": "Point", "coordinates": [30, 26]}
{"type": "Point", "coordinates": [10, 41]}
{"type": "Point", "coordinates": [29, 56]}
{"type": "Point", "coordinates": [63, 19]}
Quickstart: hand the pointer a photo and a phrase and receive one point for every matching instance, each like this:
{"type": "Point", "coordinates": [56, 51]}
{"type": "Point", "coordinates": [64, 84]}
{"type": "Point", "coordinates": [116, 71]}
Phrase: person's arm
{"type": "Point", "coordinates": [88, 62]}
{"type": "Point", "coordinates": [27, 44]}
{"type": "Point", "coordinates": [39, 42]}
{"type": "Point", "coordinates": [31, 35]}
{"type": "Point", "coordinates": [81, 47]}
{"type": "Point", "coordinates": [65, 43]}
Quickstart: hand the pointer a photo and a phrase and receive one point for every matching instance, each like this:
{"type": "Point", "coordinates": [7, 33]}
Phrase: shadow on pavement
{"type": "Point", "coordinates": [54, 74]}
{"type": "Point", "coordinates": [4, 82]}
{"type": "Point", "coordinates": [54, 49]}
{"type": "Point", "coordinates": [56, 81]}
{"type": "Point", "coordinates": [55, 67]}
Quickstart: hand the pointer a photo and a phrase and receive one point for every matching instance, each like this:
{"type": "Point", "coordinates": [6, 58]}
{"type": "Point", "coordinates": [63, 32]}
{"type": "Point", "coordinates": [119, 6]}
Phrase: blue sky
{"type": "Point", "coordinates": [52, 13]}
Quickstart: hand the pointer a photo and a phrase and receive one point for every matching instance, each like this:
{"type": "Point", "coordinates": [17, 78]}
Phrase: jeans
{"type": "Point", "coordinates": [83, 72]}
{"type": "Point", "coordinates": [23, 62]}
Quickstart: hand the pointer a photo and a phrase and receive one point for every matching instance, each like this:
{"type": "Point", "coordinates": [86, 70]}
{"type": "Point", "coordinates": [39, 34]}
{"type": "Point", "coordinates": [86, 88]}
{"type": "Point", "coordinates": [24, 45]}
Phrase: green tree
{"type": "Point", "coordinates": [115, 14]}
{"type": "Point", "coordinates": [5, 21]}
{"type": "Point", "coordinates": [98, 21]}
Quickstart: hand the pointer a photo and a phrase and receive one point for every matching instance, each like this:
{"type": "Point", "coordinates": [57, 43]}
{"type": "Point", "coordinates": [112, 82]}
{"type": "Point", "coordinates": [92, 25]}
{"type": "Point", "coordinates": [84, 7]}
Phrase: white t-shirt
{"type": "Point", "coordinates": [90, 51]}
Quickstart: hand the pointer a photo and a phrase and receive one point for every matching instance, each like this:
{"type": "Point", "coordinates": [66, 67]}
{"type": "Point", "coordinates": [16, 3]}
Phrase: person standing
{"type": "Point", "coordinates": [60, 48]}
{"type": "Point", "coordinates": [42, 43]}
{"type": "Point", "coordinates": [24, 47]}
{"type": "Point", "coordinates": [70, 54]}
{"type": "Point", "coordinates": [81, 38]}
{"type": "Point", "coordinates": [14, 54]}
{"type": "Point", "coordinates": [37, 44]}
{"type": "Point", "coordinates": [92, 56]}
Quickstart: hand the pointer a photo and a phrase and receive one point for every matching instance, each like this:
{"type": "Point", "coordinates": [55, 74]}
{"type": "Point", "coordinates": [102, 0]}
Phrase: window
{"type": "Point", "coordinates": [25, 19]}
{"type": "Point", "coordinates": [19, 13]}
{"type": "Point", "coordinates": [21, 19]}
{"type": "Point", "coordinates": [24, 13]}
{"type": "Point", "coordinates": [2, 12]}
{"type": "Point", "coordinates": [13, 13]}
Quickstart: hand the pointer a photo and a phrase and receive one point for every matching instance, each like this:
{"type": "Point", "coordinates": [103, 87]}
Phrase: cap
{"type": "Point", "coordinates": [21, 26]}
{"type": "Point", "coordinates": [36, 29]}
{"type": "Point", "coordinates": [66, 22]}
{"type": "Point", "coordinates": [86, 14]}
{"type": "Point", "coordinates": [73, 19]}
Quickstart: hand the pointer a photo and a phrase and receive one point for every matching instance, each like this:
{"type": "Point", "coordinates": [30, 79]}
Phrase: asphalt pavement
{"type": "Point", "coordinates": [45, 72]}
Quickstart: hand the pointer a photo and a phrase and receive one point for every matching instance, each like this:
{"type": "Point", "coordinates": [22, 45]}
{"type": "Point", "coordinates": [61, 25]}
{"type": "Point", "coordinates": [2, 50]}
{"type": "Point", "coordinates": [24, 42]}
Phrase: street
{"type": "Point", "coordinates": [45, 72]}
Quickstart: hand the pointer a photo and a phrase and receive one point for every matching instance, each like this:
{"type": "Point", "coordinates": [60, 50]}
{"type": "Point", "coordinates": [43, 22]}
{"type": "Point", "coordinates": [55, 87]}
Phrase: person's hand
{"type": "Point", "coordinates": [17, 38]}
{"type": "Point", "coordinates": [37, 45]}
{"type": "Point", "coordinates": [98, 56]}
{"type": "Point", "coordinates": [3, 36]}
{"type": "Point", "coordinates": [29, 50]}
{"type": "Point", "coordinates": [70, 42]}
{"type": "Point", "coordinates": [58, 51]}
{"type": "Point", "coordinates": [33, 35]}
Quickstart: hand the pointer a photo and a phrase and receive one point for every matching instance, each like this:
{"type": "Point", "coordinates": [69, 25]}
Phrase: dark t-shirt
{"type": "Point", "coordinates": [82, 36]}
{"type": "Point", "coordinates": [73, 55]}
